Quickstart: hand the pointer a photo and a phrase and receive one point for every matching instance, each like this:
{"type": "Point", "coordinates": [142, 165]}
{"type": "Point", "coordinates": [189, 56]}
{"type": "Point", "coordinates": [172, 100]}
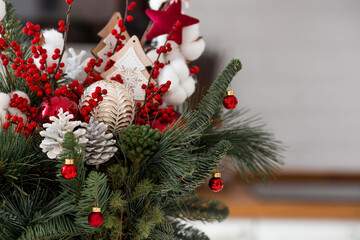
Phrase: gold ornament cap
{"type": "Point", "coordinates": [230, 93]}
{"type": "Point", "coordinates": [96, 209]}
{"type": "Point", "coordinates": [69, 161]}
{"type": "Point", "coordinates": [217, 175]}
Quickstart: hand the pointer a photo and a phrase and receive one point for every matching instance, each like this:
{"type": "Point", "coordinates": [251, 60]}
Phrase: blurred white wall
{"type": "Point", "coordinates": [301, 72]}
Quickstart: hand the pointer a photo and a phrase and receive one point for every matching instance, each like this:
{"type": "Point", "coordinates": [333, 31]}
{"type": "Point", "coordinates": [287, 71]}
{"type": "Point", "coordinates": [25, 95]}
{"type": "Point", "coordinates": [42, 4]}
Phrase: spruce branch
{"type": "Point", "coordinates": [202, 209]}
{"type": "Point", "coordinates": [255, 150]}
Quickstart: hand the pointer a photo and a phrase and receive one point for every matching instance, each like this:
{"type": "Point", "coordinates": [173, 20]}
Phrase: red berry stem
{"type": "Point", "coordinates": [163, 49]}
{"type": "Point", "coordinates": [52, 82]}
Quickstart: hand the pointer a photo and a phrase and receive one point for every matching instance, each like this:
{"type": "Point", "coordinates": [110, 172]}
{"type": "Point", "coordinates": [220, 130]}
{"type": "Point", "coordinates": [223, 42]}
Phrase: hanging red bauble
{"type": "Point", "coordinates": [162, 125]}
{"type": "Point", "coordinates": [51, 106]}
{"type": "Point", "coordinates": [95, 218]}
{"type": "Point", "coordinates": [215, 183]}
{"type": "Point", "coordinates": [230, 101]}
{"type": "Point", "coordinates": [69, 170]}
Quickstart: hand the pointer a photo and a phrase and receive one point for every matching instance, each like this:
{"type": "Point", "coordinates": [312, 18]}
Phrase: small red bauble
{"type": "Point", "coordinates": [215, 183]}
{"type": "Point", "coordinates": [51, 106]}
{"type": "Point", "coordinates": [95, 218]}
{"type": "Point", "coordinates": [230, 101]}
{"type": "Point", "coordinates": [162, 125]}
{"type": "Point", "coordinates": [69, 170]}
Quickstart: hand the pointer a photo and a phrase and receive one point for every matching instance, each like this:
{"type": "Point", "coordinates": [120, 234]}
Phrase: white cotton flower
{"type": "Point", "coordinates": [53, 39]}
{"type": "Point", "coordinates": [188, 85]}
{"type": "Point", "coordinates": [17, 112]}
{"type": "Point", "coordinates": [181, 68]}
{"type": "Point", "coordinates": [4, 101]}
{"type": "Point", "coordinates": [168, 74]}
{"type": "Point", "coordinates": [193, 50]}
{"type": "Point", "coordinates": [20, 94]}
{"type": "Point", "coordinates": [191, 33]}
{"type": "Point", "coordinates": [75, 64]}
{"type": "Point", "coordinates": [153, 56]}
{"type": "Point", "coordinates": [175, 97]}
{"type": "Point", "coordinates": [2, 9]}
{"type": "Point", "coordinates": [156, 4]}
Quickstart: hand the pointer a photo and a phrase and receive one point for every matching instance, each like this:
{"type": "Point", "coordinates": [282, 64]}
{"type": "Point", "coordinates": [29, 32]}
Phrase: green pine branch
{"type": "Point", "coordinates": [202, 209]}
{"type": "Point", "coordinates": [255, 150]}
{"type": "Point", "coordinates": [183, 231]}
{"type": "Point", "coordinates": [95, 193]}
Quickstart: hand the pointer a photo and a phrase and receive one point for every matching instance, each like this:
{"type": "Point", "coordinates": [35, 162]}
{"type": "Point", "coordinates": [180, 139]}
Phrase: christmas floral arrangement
{"type": "Point", "coordinates": [98, 149]}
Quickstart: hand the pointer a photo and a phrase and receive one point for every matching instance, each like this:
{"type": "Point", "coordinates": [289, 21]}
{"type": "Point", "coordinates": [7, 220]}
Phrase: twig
{"type": "Point", "coordinates": [9, 79]}
{"type": "Point", "coordinates": [64, 47]}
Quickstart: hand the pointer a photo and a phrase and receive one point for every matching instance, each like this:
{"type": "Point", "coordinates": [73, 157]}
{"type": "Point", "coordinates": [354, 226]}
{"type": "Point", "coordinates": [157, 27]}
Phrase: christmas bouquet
{"type": "Point", "coordinates": [98, 148]}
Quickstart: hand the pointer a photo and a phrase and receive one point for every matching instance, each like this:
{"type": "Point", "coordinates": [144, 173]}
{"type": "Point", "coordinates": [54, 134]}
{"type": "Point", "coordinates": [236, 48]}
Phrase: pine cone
{"type": "Point", "coordinates": [54, 133]}
{"type": "Point", "coordinates": [139, 142]}
{"type": "Point", "coordinates": [100, 146]}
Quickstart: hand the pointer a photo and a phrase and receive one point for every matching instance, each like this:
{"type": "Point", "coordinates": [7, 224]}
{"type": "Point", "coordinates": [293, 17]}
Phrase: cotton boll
{"type": "Point", "coordinates": [2, 9]}
{"type": "Point", "coordinates": [156, 4]}
{"type": "Point", "coordinates": [189, 86]}
{"type": "Point", "coordinates": [20, 94]}
{"type": "Point", "coordinates": [193, 50]}
{"type": "Point", "coordinates": [153, 56]}
{"type": "Point", "coordinates": [17, 112]}
{"type": "Point", "coordinates": [174, 54]}
{"type": "Point", "coordinates": [4, 101]}
{"type": "Point", "coordinates": [181, 68]}
{"type": "Point", "coordinates": [191, 33]}
{"type": "Point", "coordinates": [168, 74]}
{"type": "Point", "coordinates": [176, 97]}
{"type": "Point", "coordinates": [160, 40]}
{"type": "Point", "coordinates": [53, 40]}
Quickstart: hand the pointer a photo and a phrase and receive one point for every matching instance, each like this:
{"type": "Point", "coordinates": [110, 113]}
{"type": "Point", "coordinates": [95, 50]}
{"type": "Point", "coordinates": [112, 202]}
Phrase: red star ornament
{"type": "Point", "coordinates": [164, 21]}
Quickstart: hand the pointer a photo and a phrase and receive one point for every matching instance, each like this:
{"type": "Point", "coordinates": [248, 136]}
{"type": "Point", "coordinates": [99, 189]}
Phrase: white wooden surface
{"type": "Point", "coordinates": [284, 229]}
{"type": "Point", "coordinates": [301, 72]}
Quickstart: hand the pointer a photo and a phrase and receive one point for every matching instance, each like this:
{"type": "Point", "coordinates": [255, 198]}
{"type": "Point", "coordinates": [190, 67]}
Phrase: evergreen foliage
{"type": "Point", "coordinates": [147, 190]}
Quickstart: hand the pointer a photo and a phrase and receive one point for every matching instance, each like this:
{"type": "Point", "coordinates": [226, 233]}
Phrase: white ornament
{"type": "Point", "coordinates": [100, 146]}
{"type": "Point", "coordinates": [2, 9]}
{"type": "Point", "coordinates": [4, 101]}
{"type": "Point", "coordinates": [53, 39]}
{"type": "Point", "coordinates": [191, 33]}
{"type": "Point", "coordinates": [109, 46]}
{"type": "Point", "coordinates": [117, 109]}
{"type": "Point", "coordinates": [156, 4]}
{"type": "Point", "coordinates": [54, 133]}
{"type": "Point", "coordinates": [75, 64]}
{"type": "Point", "coordinates": [175, 97]}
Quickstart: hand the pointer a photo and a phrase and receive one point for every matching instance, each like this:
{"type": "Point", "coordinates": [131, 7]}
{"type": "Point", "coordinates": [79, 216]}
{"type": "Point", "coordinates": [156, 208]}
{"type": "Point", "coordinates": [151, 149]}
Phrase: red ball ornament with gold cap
{"type": "Point", "coordinates": [216, 184]}
{"type": "Point", "coordinates": [69, 170]}
{"type": "Point", "coordinates": [95, 218]}
{"type": "Point", "coordinates": [230, 101]}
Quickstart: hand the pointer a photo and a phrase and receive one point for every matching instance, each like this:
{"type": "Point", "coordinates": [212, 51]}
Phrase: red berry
{"type": "Point", "coordinates": [129, 18]}
{"type": "Point", "coordinates": [69, 2]}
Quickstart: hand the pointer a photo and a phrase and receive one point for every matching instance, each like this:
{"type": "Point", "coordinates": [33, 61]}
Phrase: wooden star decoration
{"type": "Point", "coordinates": [165, 20]}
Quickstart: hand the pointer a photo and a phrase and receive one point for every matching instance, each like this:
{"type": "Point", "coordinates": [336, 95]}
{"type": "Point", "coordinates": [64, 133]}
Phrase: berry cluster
{"type": "Point", "coordinates": [92, 76]}
{"type": "Point", "coordinates": [26, 129]}
{"type": "Point", "coordinates": [149, 110]}
{"type": "Point", "coordinates": [62, 26]}
{"type": "Point", "coordinates": [73, 91]}
{"type": "Point", "coordinates": [130, 18]}
{"type": "Point", "coordinates": [118, 78]}
{"type": "Point", "coordinates": [93, 103]}
{"type": "Point", "coordinates": [194, 70]}
{"type": "Point", "coordinates": [32, 30]}
{"type": "Point", "coordinates": [23, 105]}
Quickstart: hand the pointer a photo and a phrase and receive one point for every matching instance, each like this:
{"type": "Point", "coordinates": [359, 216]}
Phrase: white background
{"type": "Point", "coordinates": [301, 72]}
